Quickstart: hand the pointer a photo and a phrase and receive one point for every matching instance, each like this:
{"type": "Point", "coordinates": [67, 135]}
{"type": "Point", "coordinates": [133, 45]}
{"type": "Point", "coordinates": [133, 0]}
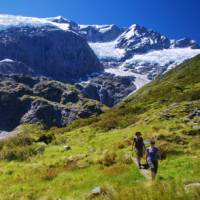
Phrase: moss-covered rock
{"type": "Point", "coordinates": [26, 99]}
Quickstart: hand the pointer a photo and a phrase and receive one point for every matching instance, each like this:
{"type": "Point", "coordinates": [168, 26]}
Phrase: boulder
{"type": "Point", "coordinates": [67, 148]}
{"type": "Point", "coordinates": [96, 191]}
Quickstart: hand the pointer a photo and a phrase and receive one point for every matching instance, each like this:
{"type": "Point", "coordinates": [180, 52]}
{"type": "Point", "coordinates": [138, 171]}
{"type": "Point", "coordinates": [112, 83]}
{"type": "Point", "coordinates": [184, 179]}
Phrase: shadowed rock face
{"type": "Point", "coordinates": [61, 55]}
{"type": "Point", "coordinates": [185, 42]}
{"type": "Point", "coordinates": [138, 39]}
{"type": "Point", "coordinates": [103, 33]}
{"type": "Point", "coordinates": [11, 111]}
{"type": "Point", "coordinates": [109, 89]}
{"type": "Point", "coordinates": [24, 99]}
{"type": "Point", "coordinates": [10, 67]}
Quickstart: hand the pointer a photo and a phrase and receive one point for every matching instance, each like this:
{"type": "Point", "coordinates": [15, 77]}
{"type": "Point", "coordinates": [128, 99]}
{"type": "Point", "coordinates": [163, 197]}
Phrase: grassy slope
{"type": "Point", "coordinates": [100, 154]}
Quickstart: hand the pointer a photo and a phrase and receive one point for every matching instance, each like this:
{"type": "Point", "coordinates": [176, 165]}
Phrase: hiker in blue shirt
{"type": "Point", "coordinates": [152, 157]}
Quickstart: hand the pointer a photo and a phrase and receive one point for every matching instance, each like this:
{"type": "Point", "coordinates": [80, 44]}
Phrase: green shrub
{"type": "Point", "coordinates": [49, 174]}
{"type": "Point", "coordinates": [20, 147]}
{"type": "Point", "coordinates": [81, 123]}
{"type": "Point", "coordinates": [107, 124]}
{"type": "Point", "coordinates": [20, 152]}
{"type": "Point", "coordinates": [108, 158]}
{"type": "Point", "coordinates": [46, 138]}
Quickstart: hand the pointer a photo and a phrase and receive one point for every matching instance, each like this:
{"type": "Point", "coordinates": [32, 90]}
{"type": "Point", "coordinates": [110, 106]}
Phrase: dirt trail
{"type": "Point", "coordinates": [192, 185]}
{"type": "Point", "coordinates": [144, 172]}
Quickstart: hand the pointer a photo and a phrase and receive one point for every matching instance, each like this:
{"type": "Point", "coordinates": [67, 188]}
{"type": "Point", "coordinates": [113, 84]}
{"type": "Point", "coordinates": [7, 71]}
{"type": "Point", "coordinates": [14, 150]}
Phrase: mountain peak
{"type": "Point", "coordinates": [185, 42]}
{"type": "Point", "coordinates": [134, 30]}
{"type": "Point", "coordinates": [61, 20]}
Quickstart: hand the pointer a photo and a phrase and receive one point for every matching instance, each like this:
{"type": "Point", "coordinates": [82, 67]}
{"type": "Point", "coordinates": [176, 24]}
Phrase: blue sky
{"type": "Point", "coordinates": [173, 18]}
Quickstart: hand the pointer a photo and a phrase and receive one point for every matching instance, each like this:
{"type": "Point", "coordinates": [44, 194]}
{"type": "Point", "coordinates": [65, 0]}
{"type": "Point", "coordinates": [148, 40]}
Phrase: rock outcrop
{"type": "Point", "coordinates": [40, 100]}
{"type": "Point", "coordinates": [11, 67]}
{"type": "Point", "coordinates": [108, 88]}
{"type": "Point", "coordinates": [99, 33]}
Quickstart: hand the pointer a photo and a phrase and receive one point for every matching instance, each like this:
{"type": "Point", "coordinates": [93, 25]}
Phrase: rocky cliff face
{"type": "Point", "coordinates": [11, 67]}
{"type": "Point", "coordinates": [99, 33]}
{"type": "Point", "coordinates": [24, 99]}
{"type": "Point", "coordinates": [108, 88]}
{"type": "Point", "coordinates": [48, 51]}
{"type": "Point", "coordinates": [138, 39]}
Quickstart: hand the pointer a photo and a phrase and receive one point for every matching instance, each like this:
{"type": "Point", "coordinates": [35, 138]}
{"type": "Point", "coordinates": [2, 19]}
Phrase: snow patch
{"type": "Point", "coordinates": [130, 33]}
{"type": "Point", "coordinates": [140, 80]}
{"type": "Point", "coordinates": [100, 28]}
{"type": "Point", "coordinates": [83, 26]}
{"type": "Point", "coordinates": [6, 60]}
{"type": "Point", "coordinates": [105, 50]}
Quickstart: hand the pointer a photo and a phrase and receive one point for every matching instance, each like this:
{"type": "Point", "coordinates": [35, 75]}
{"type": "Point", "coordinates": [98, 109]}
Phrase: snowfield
{"type": "Point", "coordinates": [100, 28]}
{"type": "Point", "coordinates": [140, 80]}
{"type": "Point", "coordinates": [8, 21]}
{"type": "Point", "coordinates": [6, 60]}
{"type": "Point", "coordinates": [107, 50]}
{"type": "Point", "coordinates": [141, 65]}
{"type": "Point", "coordinates": [166, 57]}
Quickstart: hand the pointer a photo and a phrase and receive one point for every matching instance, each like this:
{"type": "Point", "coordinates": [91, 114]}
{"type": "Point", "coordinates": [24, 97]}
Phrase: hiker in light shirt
{"type": "Point", "coordinates": [152, 157]}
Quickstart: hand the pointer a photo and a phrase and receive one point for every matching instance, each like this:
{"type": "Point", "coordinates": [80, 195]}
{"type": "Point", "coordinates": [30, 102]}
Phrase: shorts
{"type": "Point", "coordinates": [139, 153]}
{"type": "Point", "coordinates": [153, 165]}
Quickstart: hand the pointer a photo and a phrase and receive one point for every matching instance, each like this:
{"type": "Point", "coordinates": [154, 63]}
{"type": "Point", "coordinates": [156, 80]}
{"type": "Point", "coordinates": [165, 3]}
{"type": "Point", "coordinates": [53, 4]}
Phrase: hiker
{"type": "Point", "coordinates": [138, 145]}
{"type": "Point", "coordinates": [152, 157]}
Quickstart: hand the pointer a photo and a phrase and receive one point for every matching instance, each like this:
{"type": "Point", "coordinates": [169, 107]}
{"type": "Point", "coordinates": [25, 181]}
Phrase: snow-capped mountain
{"type": "Point", "coordinates": [137, 39]}
{"type": "Point", "coordinates": [9, 21]}
{"type": "Point", "coordinates": [142, 52]}
{"type": "Point", "coordinates": [46, 47]}
{"type": "Point", "coordinates": [62, 49]}
{"type": "Point", "coordinates": [62, 20]}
